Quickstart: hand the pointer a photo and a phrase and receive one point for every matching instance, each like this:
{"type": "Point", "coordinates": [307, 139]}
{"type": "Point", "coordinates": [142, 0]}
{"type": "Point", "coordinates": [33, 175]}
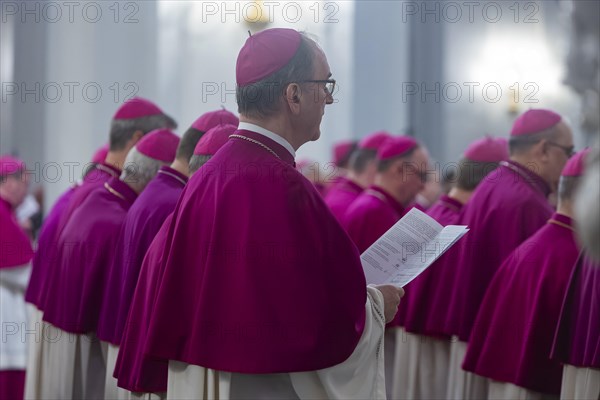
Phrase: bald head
{"type": "Point", "coordinates": [404, 176]}
{"type": "Point", "coordinates": [545, 152]}
{"type": "Point", "coordinates": [519, 145]}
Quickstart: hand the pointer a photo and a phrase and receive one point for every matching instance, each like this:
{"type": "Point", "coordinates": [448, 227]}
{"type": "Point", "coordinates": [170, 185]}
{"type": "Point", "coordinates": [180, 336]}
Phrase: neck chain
{"type": "Point", "coordinates": [527, 178]}
{"type": "Point", "coordinates": [113, 191]}
{"type": "Point", "coordinates": [173, 176]}
{"type": "Point", "coordinates": [264, 146]}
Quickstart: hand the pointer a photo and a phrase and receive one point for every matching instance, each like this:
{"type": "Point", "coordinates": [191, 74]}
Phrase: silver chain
{"type": "Point", "coordinates": [264, 146]}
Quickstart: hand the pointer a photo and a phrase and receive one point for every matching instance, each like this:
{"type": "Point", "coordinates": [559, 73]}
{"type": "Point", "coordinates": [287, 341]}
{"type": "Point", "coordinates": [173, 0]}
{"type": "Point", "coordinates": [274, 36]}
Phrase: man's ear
{"type": "Point", "coordinates": [540, 149]}
{"type": "Point", "coordinates": [292, 97]}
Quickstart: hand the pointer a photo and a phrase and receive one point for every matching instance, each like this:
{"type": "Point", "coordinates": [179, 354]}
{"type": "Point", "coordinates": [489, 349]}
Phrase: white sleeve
{"type": "Point", "coordinates": [15, 278]}
{"type": "Point", "coordinates": [361, 376]}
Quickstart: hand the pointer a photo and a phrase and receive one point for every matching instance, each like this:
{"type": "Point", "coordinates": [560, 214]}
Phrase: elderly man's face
{"type": "Point", "coordinates": [315, 97]}
{"type": "Point", "coordinates": [14, 188]}
{"type": "Point", "coordinates": [409, 176]}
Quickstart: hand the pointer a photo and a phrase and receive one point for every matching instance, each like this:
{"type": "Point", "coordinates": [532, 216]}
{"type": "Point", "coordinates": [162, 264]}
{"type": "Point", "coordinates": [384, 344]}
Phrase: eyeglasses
{"type": "Point", "coordinates": [329, 84]}
{"type": "Point", "coordinates": [569, 151]}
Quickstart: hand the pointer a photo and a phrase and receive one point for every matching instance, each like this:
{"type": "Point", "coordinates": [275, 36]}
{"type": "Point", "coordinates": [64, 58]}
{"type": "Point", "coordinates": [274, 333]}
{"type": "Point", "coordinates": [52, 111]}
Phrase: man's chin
{"type": "Point", "coordinates": [316, 136]}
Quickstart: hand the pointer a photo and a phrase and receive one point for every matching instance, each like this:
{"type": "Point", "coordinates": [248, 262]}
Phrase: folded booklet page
{"type": "Point", "coordinates": [408, 248]}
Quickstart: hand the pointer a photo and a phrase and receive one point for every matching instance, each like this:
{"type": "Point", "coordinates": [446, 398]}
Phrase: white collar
{"type": "Point", "coordinates": [271, 135]}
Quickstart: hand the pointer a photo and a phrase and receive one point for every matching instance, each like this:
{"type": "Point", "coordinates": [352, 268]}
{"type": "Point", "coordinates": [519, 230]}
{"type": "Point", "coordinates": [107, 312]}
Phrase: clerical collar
{"type": "Point", "coordinates": [173, 174]}
{"type": "Point", "coordinates": [121, 190]}
{"type": "Point", "coordinates": [271, 135]}
{"type": "Point", "coordinates": [562, 220]}
{"type": "Point", "coordinates": [109, 169]}
{"type": "Point", "coordinates": [529, 176]}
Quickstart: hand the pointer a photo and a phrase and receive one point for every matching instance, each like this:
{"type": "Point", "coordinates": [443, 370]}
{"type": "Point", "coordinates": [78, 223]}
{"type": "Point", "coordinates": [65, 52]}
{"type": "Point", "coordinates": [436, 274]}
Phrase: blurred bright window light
{"type": "Point", "coordinates": [525, 59]}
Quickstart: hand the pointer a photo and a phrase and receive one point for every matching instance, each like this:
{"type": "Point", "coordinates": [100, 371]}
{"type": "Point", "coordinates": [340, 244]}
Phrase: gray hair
{"type": "Point", "coordinates": [360, 158]}
{"type": "Point", "coordinates": [263, 98]}
{"type": "Point", "coordinates": [122, 130]}
{"type": "Point", "coordinates": [521, 144]}
{"type": "Point", "coordinates": [187, 144]}
{"type": "Point", "coordinates": [471, 173]}
{"type": "Point", "coordinates": [139, 169]}
{"type": "Point", "coordinates": [197, 161]}
{"type": "Point", "coordinates": [587, 212]}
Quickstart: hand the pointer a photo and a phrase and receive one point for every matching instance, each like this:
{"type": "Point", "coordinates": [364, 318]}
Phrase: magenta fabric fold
{"type": "Point", "coordinates": [251, 281]}
{"type": "Point", "coordinates": [45, 248]}
{"type": "Point", "coordinates": [341, 195]}
{"type": "Point", "coordinates": [84, 246]}
{"type": "Point", "coordinates": [372, 213]}
{"type": "Point", "coordinates": [507, 208]}
{"type": "Point", "coordinates": [513, 333]}
{"type": "Point", "coordinates": [421, 293]}
{"type": "Point", "coordinates": [47, 262]}
{"type": "Point", "coordinates": [577, 340]}
{"type": "Point", "coordinates": [134, 370]}
{"type": "Point", "coordinates": [15, 246]}
{"type": "Point", "coordinates": [143, 220]}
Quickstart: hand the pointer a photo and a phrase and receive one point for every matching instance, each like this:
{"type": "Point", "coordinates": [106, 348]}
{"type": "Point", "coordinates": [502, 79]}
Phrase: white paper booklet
{"type": "Point", "coordinates": [408, 248]}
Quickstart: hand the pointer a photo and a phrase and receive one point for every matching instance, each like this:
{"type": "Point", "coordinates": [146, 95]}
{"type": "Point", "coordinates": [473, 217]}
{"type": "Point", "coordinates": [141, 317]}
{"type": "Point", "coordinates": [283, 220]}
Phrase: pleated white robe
{"type": "Point", "coordinates": [361, 376]}
{"type": "Point", "coordinates": [463, 385]}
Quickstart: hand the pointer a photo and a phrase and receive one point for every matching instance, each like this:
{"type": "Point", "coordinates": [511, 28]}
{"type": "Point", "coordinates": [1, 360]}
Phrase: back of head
{"type": "Point", "coordinates": [267, 63]}
{"type": "Point", "coordinates": [203, 124]}
{"type": "Point", "coordinates": [209, 144]}
{"type": "Point", "coordinates": [480, 158]}
{"type": "Point", "coordinates": [394, 149]}
{"type": "Point", "coordinates": [402, 165]}
{"type": "Point", "coordinates": [532, 127]}
{"type": "Point", "coordinates": [342, 152]}
{"type": "Point", "coordinates": [366, 151]}
{"type": "Point", "coordinates": [135, 115]}
{"type": "Point", "coordinates": [145, 159]}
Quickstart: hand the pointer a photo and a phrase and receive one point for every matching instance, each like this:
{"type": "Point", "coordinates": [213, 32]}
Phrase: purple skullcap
{"type": "Point", "coordinates": [396, 146]}
{"type": "Point", "coordinates": [265, 53]}
{"type": "Point", "coordinates": [160, 144]}
{"type": "Point", "coordinates": [534, 121]}
{"type": "Point", "coordinates": [214, 139]}
{"type": "Point", "coordinates": [137, 107]}
{"type": "Point", "coordinates": [374, 140]}
{"type": "Point", "coordinates": [576, 164]}
{"type": "Point", "coordinates": [213, 118]}
{"type": "Point", "coordinates": [341, 150]}
{"type": "Point", "coordinates": [488, 149]}
{"type": "Point", "coordinates": [10, 165]}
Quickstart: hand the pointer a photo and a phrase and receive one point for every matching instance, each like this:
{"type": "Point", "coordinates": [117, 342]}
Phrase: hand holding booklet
{"type": "Point", "coordinates": [408, 248]}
